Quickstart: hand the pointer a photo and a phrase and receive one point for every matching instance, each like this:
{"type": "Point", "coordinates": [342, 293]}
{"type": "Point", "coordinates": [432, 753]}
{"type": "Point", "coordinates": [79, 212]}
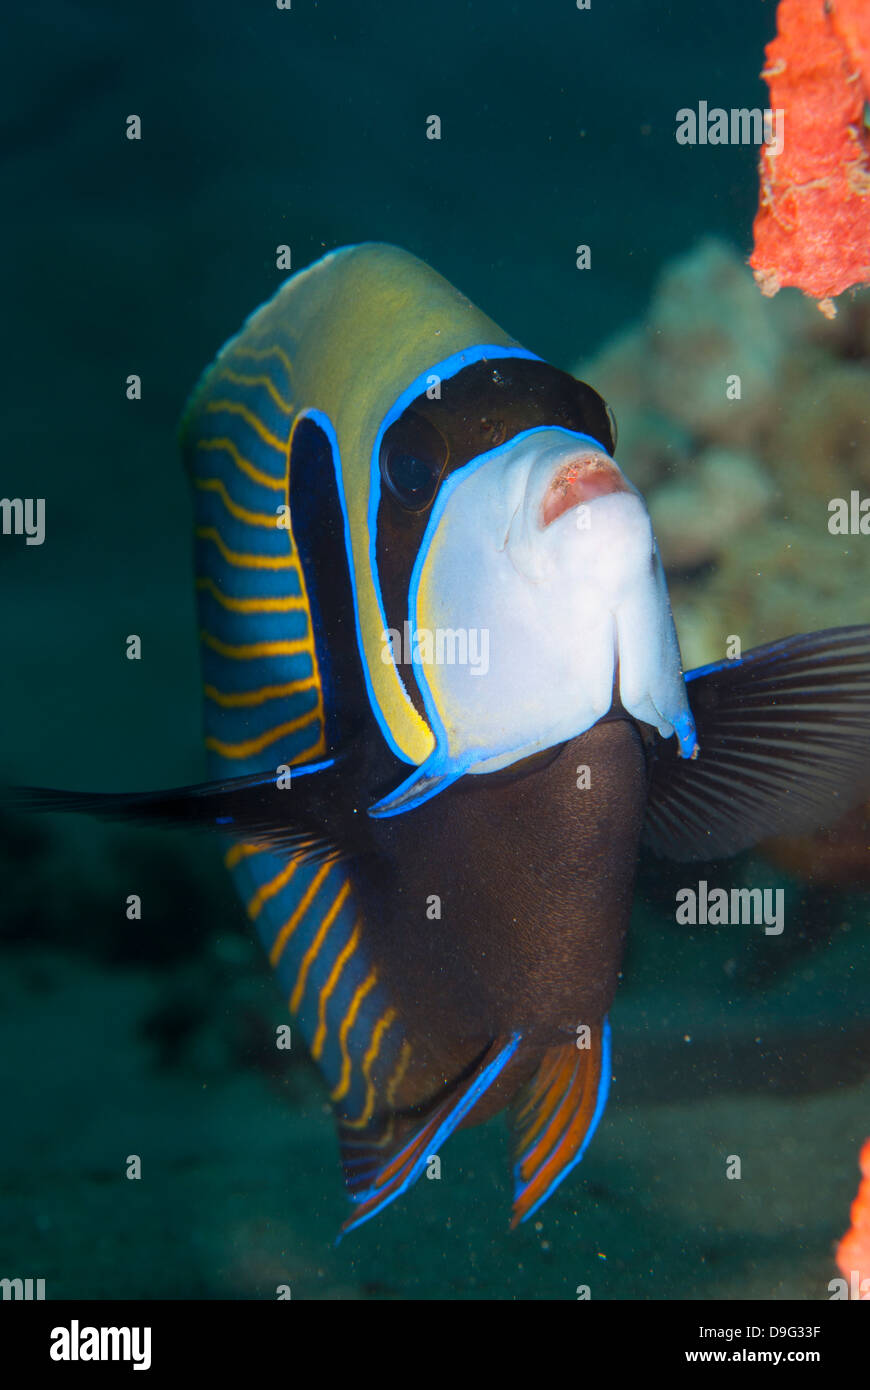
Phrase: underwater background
{"type": "Point", "coordinates": [307, 127]}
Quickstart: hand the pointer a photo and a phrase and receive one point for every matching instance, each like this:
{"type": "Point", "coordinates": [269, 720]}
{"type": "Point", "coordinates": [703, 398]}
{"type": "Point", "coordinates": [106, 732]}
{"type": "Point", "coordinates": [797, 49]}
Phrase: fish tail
{"type": "Point", "coordinates": [379, 1167]}
{"type": "Point", "coordinates": [555, 1116]}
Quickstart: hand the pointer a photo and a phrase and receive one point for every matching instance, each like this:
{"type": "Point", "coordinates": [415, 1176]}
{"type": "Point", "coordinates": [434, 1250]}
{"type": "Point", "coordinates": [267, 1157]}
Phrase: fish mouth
{"type": "Point", "coordinates": [561, 479]}
{"type": "Point", "coordinates": [590, 474]}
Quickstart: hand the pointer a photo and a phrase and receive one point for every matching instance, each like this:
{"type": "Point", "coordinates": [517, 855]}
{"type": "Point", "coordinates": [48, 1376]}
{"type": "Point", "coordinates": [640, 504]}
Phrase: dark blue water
{"type": "Point", "coordinates": [308, 128]}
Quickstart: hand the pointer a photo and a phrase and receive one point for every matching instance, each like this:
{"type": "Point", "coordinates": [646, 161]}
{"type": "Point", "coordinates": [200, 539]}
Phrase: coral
{"type": "Point", "coordinates": [716, 351]}
{"type": "Point", "coordinates": [705, 327]}
{"type": "Point", "coordinates": [853, 1252]}
{"type": "Point", "coordinates": [812, 229]}
{"type": "Point", "coordinates": [695, 517]}
{"type": "Point", "coordinates": [823, 439]}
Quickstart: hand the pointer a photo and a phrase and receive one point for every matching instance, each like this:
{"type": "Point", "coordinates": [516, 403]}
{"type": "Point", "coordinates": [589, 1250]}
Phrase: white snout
{"type": "Point", "coordinates": [545, 546]}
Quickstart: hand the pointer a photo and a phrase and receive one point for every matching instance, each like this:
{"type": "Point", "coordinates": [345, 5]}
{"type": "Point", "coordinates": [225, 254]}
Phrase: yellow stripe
{"type": "Point", "coordinates": [313, 949]}
{"type": "Point", "coordinates": [326, 992]}
{"type": "Point", "coordinates": [383, 1023]}
{"type": "Point", "coordinates": [256, 745]}
{"type": "Point", "coordinates": [292, 923]}
{"type": "Point", "coordinates": [347, 1023]}
{"type": "Point", "coordinates": [239, 379]}
{"type": "Point", "coordinates": [241, 513]}
{"type": "Point", "coordinates": [244, 465]}
{"type": "Point", "coordinates": [288, 604]}
{"type": "Point", "coordinates": [399, 1074]}
{"type": "Point", "coordinates": [247, 651]}
{"type": "Point", "coordinates": [256, 424]}
{"type": "Point", "coordinates": [268, 890]}
{"type": "Point", "coordinates": [238, 852]}
{"type": "Point", "coordinates": [386, 1136]}
{"type": "Point", "coordinates": [243, 561]}
{"type": "Point", "coordinates": [240, 698]}
{"type": "Point", "coordinates": [258, 355]}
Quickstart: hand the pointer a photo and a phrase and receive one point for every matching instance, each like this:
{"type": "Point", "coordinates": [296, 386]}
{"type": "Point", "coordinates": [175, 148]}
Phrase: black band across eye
{"type": "Point", "coordinates": [413, 458]}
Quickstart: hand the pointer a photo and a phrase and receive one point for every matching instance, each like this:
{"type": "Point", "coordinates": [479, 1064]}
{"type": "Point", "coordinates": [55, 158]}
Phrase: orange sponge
{"type": "Point", "coordinates": [853, 1252]}
{"type": "Point", "coordinates": [812, 228]}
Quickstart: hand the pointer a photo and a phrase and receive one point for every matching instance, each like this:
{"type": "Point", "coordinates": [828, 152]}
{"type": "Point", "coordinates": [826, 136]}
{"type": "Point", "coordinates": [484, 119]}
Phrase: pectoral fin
{"type": "Point", "coordinates": [424, 783]}
{"type": "Point", "coordinates": [307, 811]}
{"type": "Point", "coordinates": [784, 737]}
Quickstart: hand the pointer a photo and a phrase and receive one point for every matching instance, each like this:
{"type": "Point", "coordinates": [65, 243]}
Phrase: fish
{"type": "Point", "coordinates": [445, 712]}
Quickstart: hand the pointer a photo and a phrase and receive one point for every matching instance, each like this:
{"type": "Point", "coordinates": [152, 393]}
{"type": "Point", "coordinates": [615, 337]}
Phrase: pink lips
{"type": "Point", "coordinates": [581, 479]}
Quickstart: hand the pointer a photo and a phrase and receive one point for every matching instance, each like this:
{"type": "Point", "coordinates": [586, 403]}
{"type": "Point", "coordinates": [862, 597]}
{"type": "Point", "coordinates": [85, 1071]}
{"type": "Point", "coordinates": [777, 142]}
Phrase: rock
{"type": "Point", "coordinates": [695, 517]}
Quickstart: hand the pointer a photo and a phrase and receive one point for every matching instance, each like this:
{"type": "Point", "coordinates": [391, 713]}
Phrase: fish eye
{"type": "Point", "coordinates": [411, 479]}
{"type": "Point", "coordinates": [413, 455]}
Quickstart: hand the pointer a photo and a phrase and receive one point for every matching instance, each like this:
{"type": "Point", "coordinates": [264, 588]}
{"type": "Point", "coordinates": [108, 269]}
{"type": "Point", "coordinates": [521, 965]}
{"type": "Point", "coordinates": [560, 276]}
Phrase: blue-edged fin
{"type": "Point", "coordinates": [555, 1116]}
{"type": "Point", "coordinates": [383, 1163]}
{"type": "Point", "coordinates": [306, 811]}
{"type": "Point", "coordinates": [421, 786]}
{"type": "Point", "coordinates": [784, 739]}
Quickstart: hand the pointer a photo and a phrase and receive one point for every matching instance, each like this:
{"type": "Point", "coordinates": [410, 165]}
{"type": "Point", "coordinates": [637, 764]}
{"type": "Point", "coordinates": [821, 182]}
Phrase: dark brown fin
{"type": "Point", "coordinates": [784, 737]}
{"type": "Point", "coordinates": [307, 811]}
{"type": "Point", "coordinates": [382, 1162]}
{"type": "Point", "coordinates": [555, 1116]}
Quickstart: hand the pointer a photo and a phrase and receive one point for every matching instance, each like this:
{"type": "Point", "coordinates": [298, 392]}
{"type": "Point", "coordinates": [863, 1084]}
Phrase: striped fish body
{"type": "Point", "coordinates": [404, 1004]}
{"type": "Point", "coordinates": [429, 595]}
{"type": "Point", "coordinates": [444, 705]}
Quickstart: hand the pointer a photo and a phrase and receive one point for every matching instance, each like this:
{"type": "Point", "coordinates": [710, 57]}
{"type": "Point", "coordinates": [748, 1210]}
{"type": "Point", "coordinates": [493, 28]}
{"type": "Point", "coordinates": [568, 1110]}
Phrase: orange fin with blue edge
{"type": "Point", "coordinates": [374, 1178]}
{"type": "Point", "coordinates": [555, 1116]}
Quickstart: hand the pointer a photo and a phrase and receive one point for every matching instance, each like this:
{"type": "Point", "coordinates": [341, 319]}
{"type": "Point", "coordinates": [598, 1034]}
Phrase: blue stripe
{"type": "Point", "coordinates": [728, 664]}
{"type": "Point", "coordinates": [245, 536]}
{"type": "Point", "coordinates": [242, 629]}
{"type": "Point", "coordinates": [444, 371]}
{"type": "Point", "coordinates": [257, 398]}
{"type": "Point", "coordinates": [243, 582]}
{"type": "Point", "coordinates": [237, 674]}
